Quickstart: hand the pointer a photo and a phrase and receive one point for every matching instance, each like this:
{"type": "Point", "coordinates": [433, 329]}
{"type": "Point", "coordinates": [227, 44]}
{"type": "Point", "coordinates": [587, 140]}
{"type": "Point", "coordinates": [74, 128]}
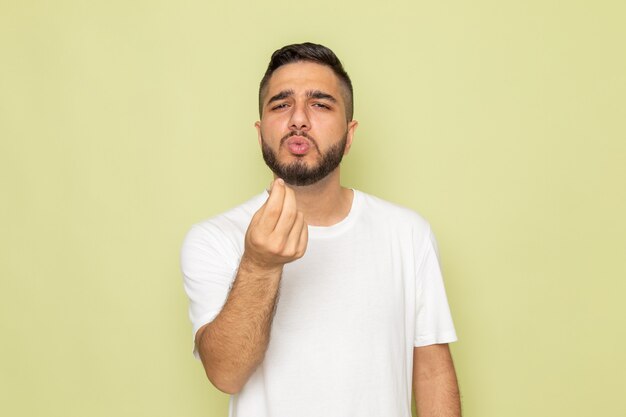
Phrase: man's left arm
{"type": "Point", "coordinates": [435, 385]}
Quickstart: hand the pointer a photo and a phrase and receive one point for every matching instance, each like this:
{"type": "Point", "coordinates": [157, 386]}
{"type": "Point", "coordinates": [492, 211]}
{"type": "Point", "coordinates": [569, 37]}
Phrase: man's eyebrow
{"type": "Point", "coordinates": [280, 96]}
{"type": "Point", "coordinates": [320, 95]}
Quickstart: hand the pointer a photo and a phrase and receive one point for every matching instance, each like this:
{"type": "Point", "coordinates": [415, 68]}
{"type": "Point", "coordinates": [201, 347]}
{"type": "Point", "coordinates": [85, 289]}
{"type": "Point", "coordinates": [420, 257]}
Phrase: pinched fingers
{"type": "Point", "coordinates": [277, 233]}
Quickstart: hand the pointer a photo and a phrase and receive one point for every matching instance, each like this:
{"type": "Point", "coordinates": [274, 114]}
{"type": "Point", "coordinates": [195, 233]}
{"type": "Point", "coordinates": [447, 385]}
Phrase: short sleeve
{"type": "Point", "coordinates": [209, 265]}
{"type": "Point", "coordinates": [433, 321]}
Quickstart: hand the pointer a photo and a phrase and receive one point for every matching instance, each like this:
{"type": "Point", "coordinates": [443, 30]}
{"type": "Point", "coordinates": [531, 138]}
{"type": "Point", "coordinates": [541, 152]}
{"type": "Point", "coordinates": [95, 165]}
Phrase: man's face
{"type": "Point", "coordinates": [303, 131]}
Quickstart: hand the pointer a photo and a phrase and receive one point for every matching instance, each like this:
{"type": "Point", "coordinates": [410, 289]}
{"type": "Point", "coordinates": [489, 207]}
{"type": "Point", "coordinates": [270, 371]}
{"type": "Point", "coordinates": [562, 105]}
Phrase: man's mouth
{"type": "Point", "coordinates": [298, 145]}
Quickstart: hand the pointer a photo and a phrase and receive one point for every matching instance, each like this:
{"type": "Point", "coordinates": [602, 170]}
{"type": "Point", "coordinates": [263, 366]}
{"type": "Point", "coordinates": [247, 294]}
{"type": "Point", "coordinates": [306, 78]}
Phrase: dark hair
{"type": "Point", "coordinates": [308, 52]}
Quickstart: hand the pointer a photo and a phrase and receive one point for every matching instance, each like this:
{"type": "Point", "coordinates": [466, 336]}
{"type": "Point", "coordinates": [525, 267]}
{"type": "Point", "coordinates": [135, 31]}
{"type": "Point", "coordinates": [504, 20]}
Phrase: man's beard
{"type": "Point", "coordinates": [299, 172]}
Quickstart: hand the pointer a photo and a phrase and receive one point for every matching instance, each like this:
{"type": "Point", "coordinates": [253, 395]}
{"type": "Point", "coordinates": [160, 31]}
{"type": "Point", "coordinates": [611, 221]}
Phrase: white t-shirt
{"type": "Point", "coordinates": [350, 311]}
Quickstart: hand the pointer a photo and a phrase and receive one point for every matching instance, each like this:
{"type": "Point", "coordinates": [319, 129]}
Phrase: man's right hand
{"type": "Point", "coordinates": [233, 344]}
{"type": "Point", "coordinates": [277, 233]}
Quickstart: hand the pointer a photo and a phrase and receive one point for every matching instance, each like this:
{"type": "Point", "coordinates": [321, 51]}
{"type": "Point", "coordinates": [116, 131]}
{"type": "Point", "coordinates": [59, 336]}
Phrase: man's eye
{"type": "Point", "coordinates": [321, 105]}
{"type": "Point", "coordinates": [279, 106]}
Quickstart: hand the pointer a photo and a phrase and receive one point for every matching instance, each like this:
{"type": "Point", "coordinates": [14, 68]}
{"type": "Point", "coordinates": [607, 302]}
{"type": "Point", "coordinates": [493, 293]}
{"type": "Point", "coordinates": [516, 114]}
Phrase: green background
{"type": "Point", "coordinates": [122, 123]}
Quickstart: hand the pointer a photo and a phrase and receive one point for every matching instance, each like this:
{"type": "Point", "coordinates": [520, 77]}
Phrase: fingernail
{"type": "Point", "coordinates": [280, 181]}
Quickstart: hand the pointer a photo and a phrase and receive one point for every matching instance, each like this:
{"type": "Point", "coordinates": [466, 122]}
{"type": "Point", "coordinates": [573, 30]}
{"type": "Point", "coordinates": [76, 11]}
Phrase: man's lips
{"type": "Point", "coordinates": [298, 145]}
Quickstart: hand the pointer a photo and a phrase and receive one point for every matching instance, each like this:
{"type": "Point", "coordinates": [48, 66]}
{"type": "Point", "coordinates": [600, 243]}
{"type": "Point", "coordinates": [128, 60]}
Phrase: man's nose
{"type": "Point", "coordinates": [299, 119]}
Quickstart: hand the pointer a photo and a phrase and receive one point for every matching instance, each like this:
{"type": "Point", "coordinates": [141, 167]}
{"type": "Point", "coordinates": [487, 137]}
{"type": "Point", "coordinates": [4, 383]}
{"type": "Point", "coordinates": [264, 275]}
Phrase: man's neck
{"type": "Point", "coordinates": [324, 203]}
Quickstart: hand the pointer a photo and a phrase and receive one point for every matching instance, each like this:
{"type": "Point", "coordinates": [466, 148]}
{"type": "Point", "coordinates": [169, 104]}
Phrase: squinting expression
{"type": "Point", "coordinates": [303, 131]}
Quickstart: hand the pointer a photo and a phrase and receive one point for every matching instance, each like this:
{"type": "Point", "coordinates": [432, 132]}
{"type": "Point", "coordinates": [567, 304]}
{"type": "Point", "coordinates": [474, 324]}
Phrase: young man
{"type": "Point", "coordinates": [313, 299]}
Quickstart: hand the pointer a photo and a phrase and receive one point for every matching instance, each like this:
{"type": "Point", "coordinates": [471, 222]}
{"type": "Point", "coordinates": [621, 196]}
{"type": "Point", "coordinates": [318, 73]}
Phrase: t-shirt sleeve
{"type": "Point", "coordinates": [433, 321]}
{"type": "Point", "coordinates": [209, 265]}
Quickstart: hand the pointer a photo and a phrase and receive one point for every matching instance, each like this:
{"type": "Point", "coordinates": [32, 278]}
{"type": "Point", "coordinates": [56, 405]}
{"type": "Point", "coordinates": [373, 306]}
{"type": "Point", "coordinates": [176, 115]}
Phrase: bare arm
{"type": "Point", "coordinates": [234, 343]}
{"type": "Point", "coordinates": [434, 382]}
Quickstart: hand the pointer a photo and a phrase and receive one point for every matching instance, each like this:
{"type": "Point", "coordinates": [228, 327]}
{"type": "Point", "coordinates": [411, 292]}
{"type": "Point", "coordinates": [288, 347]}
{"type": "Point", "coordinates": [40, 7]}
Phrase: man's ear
{"type": "Point", "coordinates": [258, 131]}
{"type": "Point", "coordinates": [350, 135]}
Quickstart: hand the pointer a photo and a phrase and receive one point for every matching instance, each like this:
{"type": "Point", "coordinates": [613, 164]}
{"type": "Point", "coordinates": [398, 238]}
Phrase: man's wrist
{"type": "Point", "coordinates": [257, 267]}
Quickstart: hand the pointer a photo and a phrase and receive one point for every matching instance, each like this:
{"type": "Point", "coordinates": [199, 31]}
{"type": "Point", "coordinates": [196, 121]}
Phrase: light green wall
{"type": "Point", "coordinates": [124, 122]}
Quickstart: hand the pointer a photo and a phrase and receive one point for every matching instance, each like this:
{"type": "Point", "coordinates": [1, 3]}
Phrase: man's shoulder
{"type": "Point", "coordinates": [381, 209]}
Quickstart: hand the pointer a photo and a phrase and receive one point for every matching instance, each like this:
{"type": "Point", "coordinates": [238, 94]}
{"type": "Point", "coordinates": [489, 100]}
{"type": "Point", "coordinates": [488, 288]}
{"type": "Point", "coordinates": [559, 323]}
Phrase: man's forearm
{"type": "Point", "coordinates": [438, 395]}
{"type": "Point", "coordinates": [434, 382]}
{"type": "Point", "coordinates": [234, 343]}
